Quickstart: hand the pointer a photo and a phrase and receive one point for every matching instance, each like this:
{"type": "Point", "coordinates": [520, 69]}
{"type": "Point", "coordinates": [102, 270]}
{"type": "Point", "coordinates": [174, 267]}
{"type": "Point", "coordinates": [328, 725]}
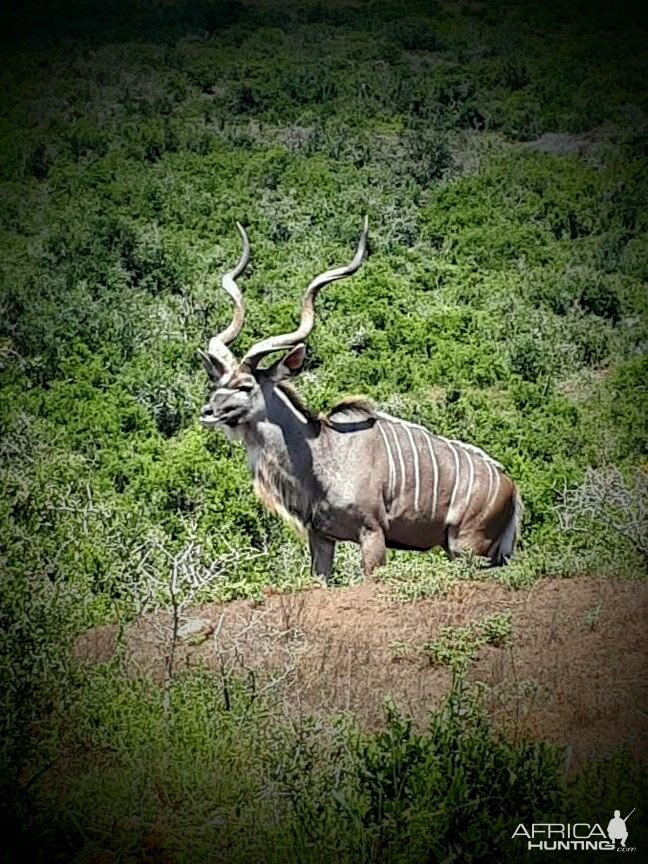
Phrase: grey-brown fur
{"type": "Point", "coordinates": [355, 474]}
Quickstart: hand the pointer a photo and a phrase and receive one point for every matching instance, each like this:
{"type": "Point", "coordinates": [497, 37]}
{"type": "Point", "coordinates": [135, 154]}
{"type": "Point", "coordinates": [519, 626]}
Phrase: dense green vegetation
{"type": "Point", "coordinates": [504, 303]}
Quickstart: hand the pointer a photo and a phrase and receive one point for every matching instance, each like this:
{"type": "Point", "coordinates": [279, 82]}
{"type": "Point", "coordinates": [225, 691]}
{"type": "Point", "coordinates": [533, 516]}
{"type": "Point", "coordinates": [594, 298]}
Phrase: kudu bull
{"type": "Point", "coordinates": [356, 473]}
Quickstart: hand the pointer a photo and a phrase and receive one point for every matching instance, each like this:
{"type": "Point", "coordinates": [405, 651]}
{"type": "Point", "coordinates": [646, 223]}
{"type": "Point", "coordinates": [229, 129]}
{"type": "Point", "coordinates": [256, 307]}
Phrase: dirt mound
{"type": "Point", "coordinates": [575, 670]}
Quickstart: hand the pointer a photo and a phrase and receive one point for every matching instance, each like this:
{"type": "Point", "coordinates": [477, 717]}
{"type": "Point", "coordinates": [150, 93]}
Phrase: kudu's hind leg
{"type": "Point", "coordinates": [451, 545]}
{"type": "Point", "coordinates": [373, 551]}
{"type": "Point", "coordinates": [322, 551]}
{"type": "Point", "coordinates": [459, 541]}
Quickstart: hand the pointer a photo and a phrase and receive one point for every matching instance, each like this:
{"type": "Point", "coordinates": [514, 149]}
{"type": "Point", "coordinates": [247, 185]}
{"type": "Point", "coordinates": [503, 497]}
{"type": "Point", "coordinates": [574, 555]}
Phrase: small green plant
{"type": "Point", "coordinates": [456, 646]}
{"type": "Point", "coordinates": [497, 629]}
{"type": "Point", "coordinates": [592, 616]}
{"type": "Point", "coordinates": [525, 569]}
{"type": "Point", "coordinates": [411, 577]}
{"type": "Point", "coordinates": [401, 650]}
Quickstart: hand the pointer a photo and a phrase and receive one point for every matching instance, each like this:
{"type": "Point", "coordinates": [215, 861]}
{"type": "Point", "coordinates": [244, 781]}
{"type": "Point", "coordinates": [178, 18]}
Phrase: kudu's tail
{"type": "Point", "coordinates": [504, 547]}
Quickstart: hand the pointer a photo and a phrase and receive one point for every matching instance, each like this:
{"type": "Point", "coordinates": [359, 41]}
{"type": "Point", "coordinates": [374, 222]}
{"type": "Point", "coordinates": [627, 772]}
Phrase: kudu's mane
{"type": "Point", "coordinates": [352, 408]}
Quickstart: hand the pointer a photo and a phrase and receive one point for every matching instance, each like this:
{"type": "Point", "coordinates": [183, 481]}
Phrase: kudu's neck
{"type": "Point", "coordinates": [280, 455]}
{"type": "Point", "coordinates": [286, 434]}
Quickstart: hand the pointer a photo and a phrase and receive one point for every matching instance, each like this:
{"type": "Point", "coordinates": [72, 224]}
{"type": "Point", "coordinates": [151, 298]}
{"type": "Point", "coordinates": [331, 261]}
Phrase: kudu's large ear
{"type": "Point", "coordinates": [214, 367]}
{"type": "Point", "coordinates": [288, 366]}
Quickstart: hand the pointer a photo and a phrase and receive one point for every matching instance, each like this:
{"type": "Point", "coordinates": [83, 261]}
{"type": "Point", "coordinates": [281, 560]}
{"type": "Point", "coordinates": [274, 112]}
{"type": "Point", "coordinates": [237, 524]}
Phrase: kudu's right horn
{"type": "Point", "coordinates": [288, 340]}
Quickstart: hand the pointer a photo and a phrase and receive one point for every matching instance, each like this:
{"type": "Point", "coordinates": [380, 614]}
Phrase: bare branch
{"type": "Point", "coordinates": [605, 498]}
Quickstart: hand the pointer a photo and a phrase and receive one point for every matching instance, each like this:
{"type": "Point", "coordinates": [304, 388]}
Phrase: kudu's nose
{"type": "Point", "coordinates": [206, 411]}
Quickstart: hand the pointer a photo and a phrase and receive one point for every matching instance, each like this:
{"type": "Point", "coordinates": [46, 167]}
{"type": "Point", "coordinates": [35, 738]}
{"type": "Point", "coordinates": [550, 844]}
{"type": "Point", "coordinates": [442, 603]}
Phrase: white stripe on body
{"type": "Point", "coordinates": [400, 455]}
{"type": "Point", "coordinates": [490, 484]}
{"type": "Point", "coordinates": [435, 469]}
{"type": "Point", "coordinates": [457, 461]}
{"type": "Point", "coordinates": [495, 493]}
{"type": "Point", "coordinates": [417, 476]}
{"type": "Point", "coordinates": [390, 459]}
{"type": "Point", "coordinates": [470, 447]}
{"type": "Point", "coordinates": [471, 479]}
{"type": "Point", "coordinates": [493, 466]}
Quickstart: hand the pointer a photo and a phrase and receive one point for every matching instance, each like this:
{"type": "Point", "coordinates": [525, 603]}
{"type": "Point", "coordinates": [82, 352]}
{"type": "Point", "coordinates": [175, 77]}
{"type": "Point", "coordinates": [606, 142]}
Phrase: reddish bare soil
{"type": "Point", "coordinates": [575, 672]}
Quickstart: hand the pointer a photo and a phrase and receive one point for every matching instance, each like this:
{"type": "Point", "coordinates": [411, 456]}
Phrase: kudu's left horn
{"type": "Point", "coordinates": [288, 340]}
{"type": "Point", "coordinates": [217, 348]}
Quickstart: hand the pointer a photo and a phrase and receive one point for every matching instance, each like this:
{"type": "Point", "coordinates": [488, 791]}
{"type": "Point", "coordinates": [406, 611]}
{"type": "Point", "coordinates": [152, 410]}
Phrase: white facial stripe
{"type": "Point", "coordinates": [455, 455]}
{"type": "Point", "coordinates": [400, 454]}
{"type": "Point", "coordinates": [417, 480]}
{"type": "Point", "coordinates": [290, 405]}
{"type": "Point", "coordinates": [390, 458]}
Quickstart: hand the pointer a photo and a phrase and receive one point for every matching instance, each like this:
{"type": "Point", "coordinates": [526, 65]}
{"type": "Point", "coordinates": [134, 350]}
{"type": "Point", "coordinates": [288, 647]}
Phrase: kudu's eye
{"type": "Point", "coordinates": [246, 386]}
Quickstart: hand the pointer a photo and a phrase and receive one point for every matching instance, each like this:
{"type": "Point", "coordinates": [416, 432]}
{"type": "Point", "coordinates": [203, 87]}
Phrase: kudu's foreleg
{"type": "Point", "coordinates": [322, 551]}
{"type": "Point", "coordinates": [372, 549]}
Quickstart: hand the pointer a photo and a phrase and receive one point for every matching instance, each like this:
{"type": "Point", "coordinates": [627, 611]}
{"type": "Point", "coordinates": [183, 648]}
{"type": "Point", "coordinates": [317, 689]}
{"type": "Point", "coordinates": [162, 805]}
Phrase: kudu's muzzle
{"type": "Point", "coordinates": [207, 416]}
